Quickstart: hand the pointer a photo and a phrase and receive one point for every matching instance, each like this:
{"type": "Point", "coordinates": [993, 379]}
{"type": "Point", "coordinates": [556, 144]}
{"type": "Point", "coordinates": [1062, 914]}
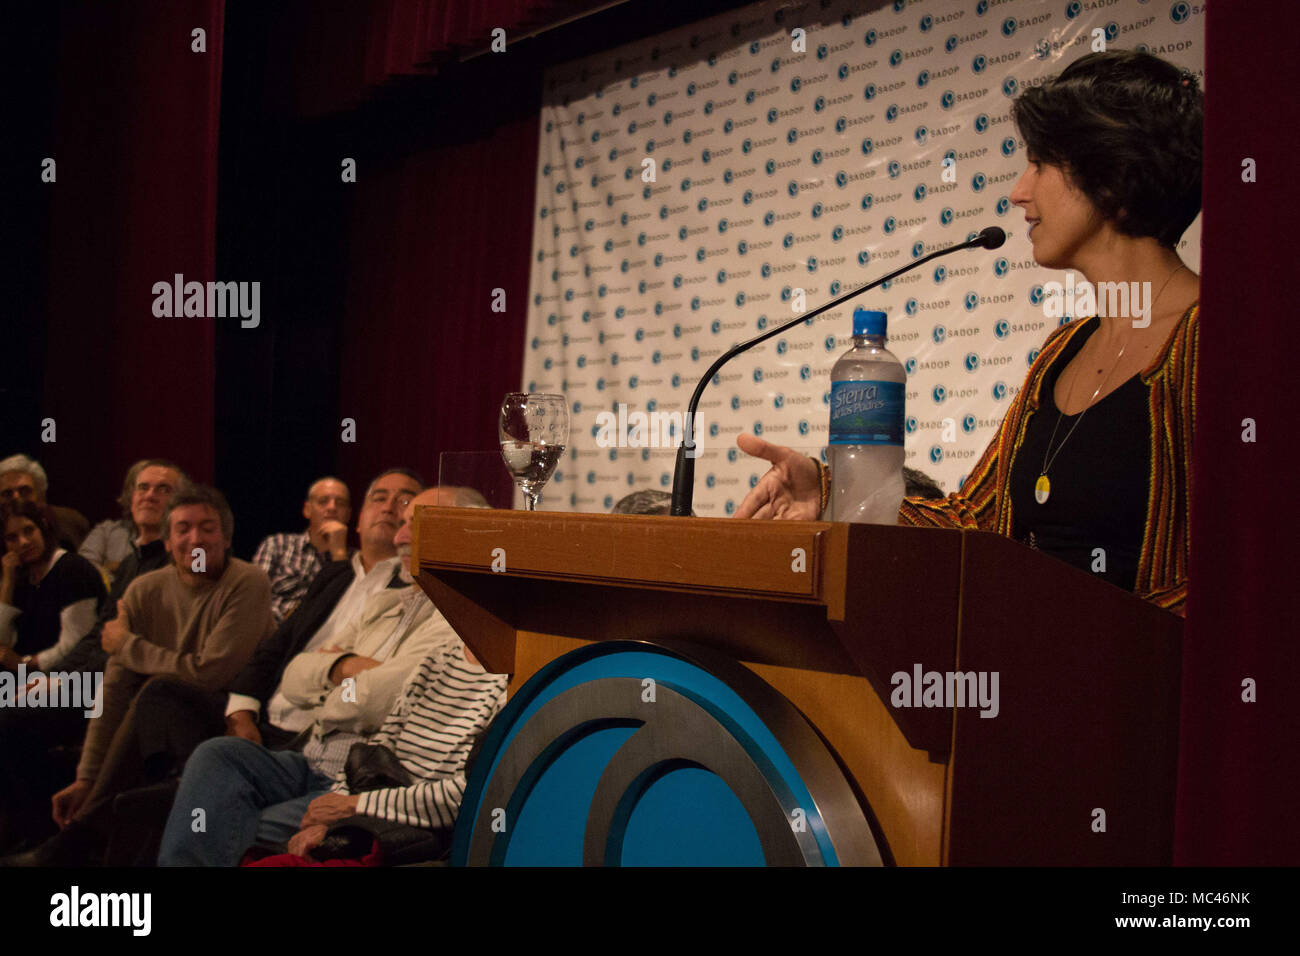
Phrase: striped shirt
{"type": "Point", "coordinates": [984, 501]}
{"type": "Point", "coordinates": [291, 562]}
{"type": "Point", "coordinates": [446, 706]}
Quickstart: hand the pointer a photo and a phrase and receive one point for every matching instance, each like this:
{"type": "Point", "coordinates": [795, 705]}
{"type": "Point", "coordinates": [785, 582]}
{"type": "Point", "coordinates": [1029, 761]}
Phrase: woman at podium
{"type": "Point", "coordinates": [1092, 463]}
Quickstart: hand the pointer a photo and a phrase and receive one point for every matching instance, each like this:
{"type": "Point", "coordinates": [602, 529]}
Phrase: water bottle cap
{"type": "Point", "coordinates": [869, 322]}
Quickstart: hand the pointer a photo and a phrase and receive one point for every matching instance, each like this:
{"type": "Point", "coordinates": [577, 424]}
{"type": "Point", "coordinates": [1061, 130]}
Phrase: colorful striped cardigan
{"type": "Point", "coordinates": [984, 501]}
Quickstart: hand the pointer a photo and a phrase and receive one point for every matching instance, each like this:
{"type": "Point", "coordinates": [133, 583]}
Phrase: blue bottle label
{"type": "Point", "coordinates": [866, 413]}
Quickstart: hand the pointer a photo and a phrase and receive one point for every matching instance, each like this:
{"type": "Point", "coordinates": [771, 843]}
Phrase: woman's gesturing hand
{"type": "Point", "coordinates": [791, 489]}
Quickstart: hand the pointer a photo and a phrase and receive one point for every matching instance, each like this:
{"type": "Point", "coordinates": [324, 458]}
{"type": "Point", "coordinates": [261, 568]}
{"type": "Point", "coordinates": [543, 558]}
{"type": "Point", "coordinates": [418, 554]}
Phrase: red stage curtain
{"type": "Point", "coordinates": [135, 142]}
{"type": "Point", "coordinates": [425, 359]}
{"type": "Point", "coordinates": [1238, 781]}
{"type": "Point", "coordinates": [344, 50]}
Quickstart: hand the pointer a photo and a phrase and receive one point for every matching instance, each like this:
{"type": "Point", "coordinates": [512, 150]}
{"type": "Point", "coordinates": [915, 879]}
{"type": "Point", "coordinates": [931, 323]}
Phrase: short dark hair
{"type": "Point", "coordinates": [1126, 128]}
{"type": "Point", "coordinates": [40, 515]}
{"type": "Point", "coordinates": [408, 472]}
{"type": "Point", "coordinates": [201, 495]}
{"type": "Point", "coordinates": [918, 484]}
{"type": "Point", "coordinates": [133, 475]}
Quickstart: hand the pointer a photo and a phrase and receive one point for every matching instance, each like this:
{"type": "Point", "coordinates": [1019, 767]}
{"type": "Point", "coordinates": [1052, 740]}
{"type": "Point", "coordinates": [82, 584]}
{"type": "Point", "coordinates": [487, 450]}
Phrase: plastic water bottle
{"type": "Point", "coordinates": [866, 431]}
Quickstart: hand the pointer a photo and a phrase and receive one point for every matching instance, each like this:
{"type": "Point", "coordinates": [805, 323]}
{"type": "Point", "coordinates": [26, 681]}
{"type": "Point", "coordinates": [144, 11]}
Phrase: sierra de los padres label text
{"type": "Point", "coordinates": [866, 413]}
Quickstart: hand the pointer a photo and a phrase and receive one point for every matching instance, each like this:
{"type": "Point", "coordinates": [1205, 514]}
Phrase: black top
{"type": "Point", "coordinates": [71, 579]}
{"type": "Point", "coordinates": [89, 654]}
{"type": "Point", "coordinates": [1098, 477]}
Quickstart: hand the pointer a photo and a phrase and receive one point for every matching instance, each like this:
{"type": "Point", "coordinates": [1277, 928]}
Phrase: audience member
{"type": "Point", "coordinates": [109, 542]}
{"type": "Point", "coordinates": [29, 770]}
{"type": "Point", "coordinates": [23, 479]}
{"type": "Point", "coordinates": [49, 597]}
{"type": "Point", "coordinates": [292, 560]}
{"type": "Point", "coordinates": [198, 619]}
{"type": "Point", "coordinates": [444, 710]}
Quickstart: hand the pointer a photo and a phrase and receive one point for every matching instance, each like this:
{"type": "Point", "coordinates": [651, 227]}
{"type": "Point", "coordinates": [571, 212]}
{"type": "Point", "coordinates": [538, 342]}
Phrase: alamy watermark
{"type": "Point", "coordinates": [77, 689]}
{"type": "Point", "coordinates": [1107, 299]}
{"type": "Point", "coordinates": [637, 429]}
{"type": "Point", "coordinates": [209, 300]}
{"type": "Point", "coordinates": [946, 689]}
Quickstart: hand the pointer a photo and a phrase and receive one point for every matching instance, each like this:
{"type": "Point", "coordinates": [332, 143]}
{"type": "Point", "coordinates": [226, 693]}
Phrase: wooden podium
{"type": "Point", "coordinates": [1072, 761]}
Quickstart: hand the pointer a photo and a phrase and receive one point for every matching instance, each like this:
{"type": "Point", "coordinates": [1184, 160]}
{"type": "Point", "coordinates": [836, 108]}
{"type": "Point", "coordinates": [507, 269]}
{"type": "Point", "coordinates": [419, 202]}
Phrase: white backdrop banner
{"type": "Point", "coordinates": [787, 168]}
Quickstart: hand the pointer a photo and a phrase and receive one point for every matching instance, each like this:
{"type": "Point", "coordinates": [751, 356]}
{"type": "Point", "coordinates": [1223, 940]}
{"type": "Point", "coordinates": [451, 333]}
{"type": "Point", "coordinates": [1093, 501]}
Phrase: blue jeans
{"type": "Point", "coordinates": [248, 795]}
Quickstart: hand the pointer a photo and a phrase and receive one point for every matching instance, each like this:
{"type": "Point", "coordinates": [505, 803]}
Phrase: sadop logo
{"type": "Point", "coordinates": [938, 393]}
{"type": "Point", "coordinates": [979, 64]}
{"type": "Point", "coordinates": [1035, 295]}
{"type": "Point", "coordinates": [1008, 147]}
{"type": "Point", "coordinates": [1010, 87]}
{"type": "Point", "coordinates": [978, 182]}
{"type": "Point", "coordinates": [1001, 328]}
{"type": "Point", "coordinates": [936, 454]}
{"type": "Point", "coordinates": [971, 302]}
{"type": "Point", "coordinates": [1000, 267]}
{"type": "Point", "coordinates": [938, 333]}
{"type": "Point", "coordinates": [1008, 27]}
{"type": "Point", "coordinates": [889, 225]}
{"type": "Point", "coordinates": [981, 122]}
{"type": "Point", "coordinates": [972, 361]}
{"type": "Point", "coordinates": [940, 273]}
{"type": "Point", "coordinates": [910, 367]}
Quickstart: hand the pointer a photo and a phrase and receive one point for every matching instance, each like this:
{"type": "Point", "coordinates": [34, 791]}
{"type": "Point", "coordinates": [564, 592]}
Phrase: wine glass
{"type": "Point", "coordinates": [534, 428]}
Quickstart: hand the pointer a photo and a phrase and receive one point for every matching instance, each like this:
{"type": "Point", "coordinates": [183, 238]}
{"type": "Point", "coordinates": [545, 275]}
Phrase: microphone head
{"type": "Point", "coordinates": [992, 237]}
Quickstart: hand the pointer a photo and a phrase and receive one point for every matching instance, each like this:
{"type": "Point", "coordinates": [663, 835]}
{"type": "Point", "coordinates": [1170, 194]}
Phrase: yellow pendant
{"type": "Point", "coordinates": [1042, 488]}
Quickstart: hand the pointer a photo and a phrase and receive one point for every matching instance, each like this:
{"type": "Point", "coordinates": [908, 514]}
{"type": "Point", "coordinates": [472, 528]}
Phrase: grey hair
{"type": "Point", "coordinates": [467, 498]}
{"type": "Point", "coordinates": [28, 466]}
{"type": "Point", "coordinates": [133, 475]}
{"type": "Point", "coordinates": [332, 478]}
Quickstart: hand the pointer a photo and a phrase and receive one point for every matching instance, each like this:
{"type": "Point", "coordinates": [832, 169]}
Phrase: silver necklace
{"type": "Point", "coordinates": [1043, 486]}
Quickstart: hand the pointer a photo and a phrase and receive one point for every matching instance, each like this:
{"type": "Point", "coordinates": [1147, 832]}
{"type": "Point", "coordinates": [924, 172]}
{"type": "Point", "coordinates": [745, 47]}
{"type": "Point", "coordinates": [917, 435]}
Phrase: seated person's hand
{"type": "Point", "coordinates": [330, 808]}
{"type": "Point", "coordinates": [332, 540]}
{"type": "Point", "coordinates": [350, 666]}
{"type": "Point", "coordinates": [113, 635]}
{"type": "Point", "coordinates": [68, 801]}
{"type": "Point", "coordinates": [791, 488]}
{"type": "Point", "coordinates": [302, 842]}
{"type": "Point", "coordinates": [242, 724]}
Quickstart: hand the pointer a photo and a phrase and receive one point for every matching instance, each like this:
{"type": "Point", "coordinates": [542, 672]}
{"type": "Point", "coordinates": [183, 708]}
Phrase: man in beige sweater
{"type": "Point", "coordinates": [198, 619]}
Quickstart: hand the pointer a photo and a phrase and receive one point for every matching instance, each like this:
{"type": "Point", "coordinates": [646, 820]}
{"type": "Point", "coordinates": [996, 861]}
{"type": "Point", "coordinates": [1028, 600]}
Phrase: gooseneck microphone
{"type": "Point", "coordinates": [684, 474]}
